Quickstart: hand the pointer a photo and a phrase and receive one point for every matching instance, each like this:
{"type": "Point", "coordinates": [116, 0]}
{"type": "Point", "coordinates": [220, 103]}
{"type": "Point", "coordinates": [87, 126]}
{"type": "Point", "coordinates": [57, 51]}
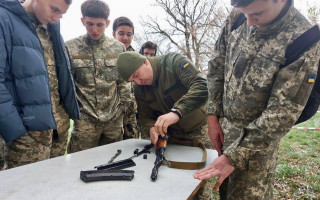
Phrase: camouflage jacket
{"type": "Point", "coordinates": [177, 84]}
{"type": "Point", "coordinates": [257, 103]}
{"type": "Point", "coordinates": [100, 92]}
{"type": "Point", "coordinates": [130, 48]}
{"type": "Point", "coordinates": [47, 47]}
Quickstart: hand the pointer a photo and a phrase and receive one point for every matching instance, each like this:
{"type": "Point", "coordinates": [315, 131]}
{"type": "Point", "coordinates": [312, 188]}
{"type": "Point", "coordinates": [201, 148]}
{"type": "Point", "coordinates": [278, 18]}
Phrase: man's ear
{"type": "Point", "coordinates": [107, 23]}
{"type": "Point", "coordinates": [83, 22]}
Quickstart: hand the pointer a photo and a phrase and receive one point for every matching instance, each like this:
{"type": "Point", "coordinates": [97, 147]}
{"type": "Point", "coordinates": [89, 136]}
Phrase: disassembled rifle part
{"type": "Point", "coordinates": [106, 175]}
{"type": "Point", "coordinates": [121, 164]}
{"type": "Point", "coordinates": [113, 170]}
{"type": "Point", "coordinates": [115, 155]}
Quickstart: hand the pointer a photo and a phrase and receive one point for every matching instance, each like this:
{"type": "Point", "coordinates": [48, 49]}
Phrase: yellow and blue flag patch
{"type": "Point", "coordinates": [311, 78]}
{"type": "Point", "coordinates": [185, 64]}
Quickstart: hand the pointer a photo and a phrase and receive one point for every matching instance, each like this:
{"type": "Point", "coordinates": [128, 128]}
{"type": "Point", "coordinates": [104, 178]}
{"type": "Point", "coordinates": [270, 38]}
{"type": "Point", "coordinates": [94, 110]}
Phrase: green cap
{"type": "Point", "coordinates": [128, 62]}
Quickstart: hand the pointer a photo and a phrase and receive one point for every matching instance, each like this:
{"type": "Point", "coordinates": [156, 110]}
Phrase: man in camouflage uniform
{"type": "Point", "coordinates": [34, 110]}
{"type": "Point", "coordinates": [171, 96]}
{"type": "Point", "coordinates": [253, 103]}
{"type": "Point", "coordinates": [102, 96]}
{"type": "Point", "coordinates": [123, 31]}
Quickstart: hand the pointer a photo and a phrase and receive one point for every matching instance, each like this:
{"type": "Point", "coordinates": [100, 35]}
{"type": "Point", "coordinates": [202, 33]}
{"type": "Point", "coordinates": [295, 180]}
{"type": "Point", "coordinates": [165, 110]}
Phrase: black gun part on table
{"type": "Point", "coordinates": [113, 170]}
{"type": "Point", "coordinates": [160, 159]}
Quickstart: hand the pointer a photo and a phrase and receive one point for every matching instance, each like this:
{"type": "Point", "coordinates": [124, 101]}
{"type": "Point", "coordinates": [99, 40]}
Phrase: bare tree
{"type": "Point", "coordinates": [190, 27]}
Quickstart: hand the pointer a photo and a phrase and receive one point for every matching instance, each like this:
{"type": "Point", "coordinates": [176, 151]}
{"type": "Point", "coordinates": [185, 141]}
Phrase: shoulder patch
{"type": "Point", "coordinates": [185, 64]}
{"type": "Point", "coordinates": [311, 78]}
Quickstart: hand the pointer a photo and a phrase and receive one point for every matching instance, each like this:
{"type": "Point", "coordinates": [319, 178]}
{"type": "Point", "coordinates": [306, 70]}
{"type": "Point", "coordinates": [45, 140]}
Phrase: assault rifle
{"type": "Point", "coordinates": [160, 149]}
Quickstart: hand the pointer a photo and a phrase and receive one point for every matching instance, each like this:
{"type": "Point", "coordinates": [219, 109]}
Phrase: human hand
{"type": "Point", "coordinates": [164, 121]}
{"type": "Point", "coordinates": [220, 167]}
{"type": "Point", "coordinates": [215, 133]}
{"type": "Point", "coordinates": [153, 135]}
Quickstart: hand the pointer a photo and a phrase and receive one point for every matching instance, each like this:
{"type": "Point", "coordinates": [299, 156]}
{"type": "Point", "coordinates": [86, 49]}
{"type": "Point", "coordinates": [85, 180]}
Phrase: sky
{"type": "Point", "coordinates": [72, 27]}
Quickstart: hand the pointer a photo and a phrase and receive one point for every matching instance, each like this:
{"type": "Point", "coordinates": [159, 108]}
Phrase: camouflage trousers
{"type": "Point", "coordinates": [255, 182]}
{"type": "Point", "coordinates": [130, 123]}
{"type": "Point", "coordinates": [60, 137]}
{"type": "Point", "coordinates": [87, 134]}
{"type": "Point", "coordinates": [38, 145]}
{"type": "Point", "coordinates": [29, 148]}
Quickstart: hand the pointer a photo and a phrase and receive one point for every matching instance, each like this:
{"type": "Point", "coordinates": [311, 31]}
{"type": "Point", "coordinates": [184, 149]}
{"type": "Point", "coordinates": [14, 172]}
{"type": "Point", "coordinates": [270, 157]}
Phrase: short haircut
{"type": "Point", "coordinates": [148, 45]}
{"type": "Point", "coordinates": [244, 3]}
{"type": "Point", "coordinates": [122, 21]}
{"type": "Point", "coordinates": [95, 8]}
{"type": "Point", "coordinates": [68, 2]}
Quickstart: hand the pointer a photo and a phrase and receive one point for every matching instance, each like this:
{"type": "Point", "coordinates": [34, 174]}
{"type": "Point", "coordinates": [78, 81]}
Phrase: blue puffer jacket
{"type": "Point", "coordinates": [25, 103]}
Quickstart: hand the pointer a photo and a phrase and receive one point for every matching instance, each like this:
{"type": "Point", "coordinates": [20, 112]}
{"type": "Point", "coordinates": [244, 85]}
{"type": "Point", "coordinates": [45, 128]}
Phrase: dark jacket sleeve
{"type": "Point", "coordinates": [10, 120]}
{"type": "Point", "coordinates": [66, 85]}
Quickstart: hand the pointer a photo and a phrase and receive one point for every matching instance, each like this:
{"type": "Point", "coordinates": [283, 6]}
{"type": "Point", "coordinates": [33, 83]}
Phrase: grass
{"type": "Point", "coordinates": [298, 170]}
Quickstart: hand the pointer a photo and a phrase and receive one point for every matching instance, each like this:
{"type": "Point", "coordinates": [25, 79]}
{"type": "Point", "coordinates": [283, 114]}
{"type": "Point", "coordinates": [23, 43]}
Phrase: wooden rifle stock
{"type": "Point", "coordinates": [160, 149]}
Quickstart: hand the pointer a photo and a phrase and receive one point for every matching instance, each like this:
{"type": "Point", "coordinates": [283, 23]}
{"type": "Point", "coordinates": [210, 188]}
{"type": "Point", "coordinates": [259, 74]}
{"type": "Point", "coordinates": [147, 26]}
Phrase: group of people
{"type": "Point", "coordinates": [113, 93]}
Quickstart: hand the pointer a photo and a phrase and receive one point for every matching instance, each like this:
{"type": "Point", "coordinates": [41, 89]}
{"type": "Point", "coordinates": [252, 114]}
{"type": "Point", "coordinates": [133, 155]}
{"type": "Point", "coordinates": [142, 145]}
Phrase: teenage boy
{"type": "Point", "coordinates": [253, 102]}
{"type": "Point", "coordinates": [37, 94]}
{"type": "Point", "coordinates": [102, 96]}
{"type": "Point", "coordinates": [123, 31]}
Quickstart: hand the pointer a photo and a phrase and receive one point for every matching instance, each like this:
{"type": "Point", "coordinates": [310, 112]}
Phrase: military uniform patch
{"type": "Point", "coordinates": [311, 78]}
{"type": "Point", "coordinates": [110, 56]}
{"type": "Point", "coordinates": [82, 57]}
{"type": "Point", "coordinates": [185, 64]}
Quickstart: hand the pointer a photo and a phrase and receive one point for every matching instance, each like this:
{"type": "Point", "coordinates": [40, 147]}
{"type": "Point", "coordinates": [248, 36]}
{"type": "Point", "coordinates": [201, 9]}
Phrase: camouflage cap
{"type": "Point", "coordinates": [128, 62]}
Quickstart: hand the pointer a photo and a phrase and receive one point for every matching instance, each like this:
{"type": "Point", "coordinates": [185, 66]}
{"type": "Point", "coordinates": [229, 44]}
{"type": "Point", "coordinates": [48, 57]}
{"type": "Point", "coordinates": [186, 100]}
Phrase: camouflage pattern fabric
{"type": "Point", "coordinates": [87, 134]}
{"type": "Point", "coordinates": [130, 48]}
{"type": "Point", "coordinates": [257, 103]}
{"type": "Point", "coordinates": [205, 192]}
{"type": "Point", "coordinates": [32, 147]}
{"type": "Point", "coordinates": [130, 126]}
{"type": "Point", "coordinates": [131, 129]}
{"type": "Point", "coordinates": [100, 92]}
{"type": "Point", "coordinates": [37, 145]}
{"type": "Point", "coordinates": [59, 143]}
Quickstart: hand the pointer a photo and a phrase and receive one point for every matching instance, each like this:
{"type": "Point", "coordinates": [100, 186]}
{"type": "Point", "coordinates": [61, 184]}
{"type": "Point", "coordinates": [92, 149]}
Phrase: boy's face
{"type": "Point", "coordinates": [124, 34]}
{"type": "Point", "coordinates": [261, 13]}
{"type": "Point", "coordinates": [48, 11]}
{"type": "Point", "coordinates": [149, 52]}
{"type": "Point", "coordinates": [95, 26]}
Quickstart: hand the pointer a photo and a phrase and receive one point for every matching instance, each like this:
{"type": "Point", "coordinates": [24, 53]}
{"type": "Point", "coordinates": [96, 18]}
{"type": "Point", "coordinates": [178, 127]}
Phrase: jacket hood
{"type": "Point", "coordinates": [15, 7]}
